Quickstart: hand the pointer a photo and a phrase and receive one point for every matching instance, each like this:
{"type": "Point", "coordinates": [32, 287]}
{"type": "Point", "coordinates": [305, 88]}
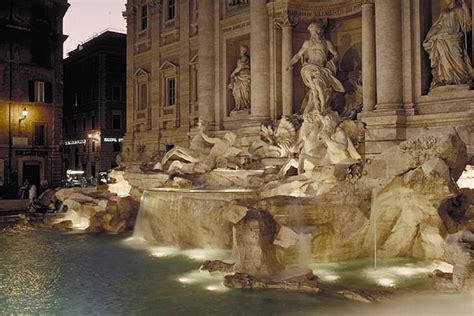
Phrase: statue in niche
{"type": "Point", "coordinates": [319, 57]}
{"type": "Point", "coordinates": [446, 44]}
{"type": "Point", "coordinates": [240, 81]}
{"type": "Point", "coordinates": [203, 155]}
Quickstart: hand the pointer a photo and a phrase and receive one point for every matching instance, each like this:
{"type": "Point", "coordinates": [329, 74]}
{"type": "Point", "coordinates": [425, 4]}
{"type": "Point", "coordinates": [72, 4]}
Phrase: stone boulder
{"type": "Point", "coordinates": [306, 282]}
{"type": "Point", "coordinates": [405, 212]}
{"type": "Point", "coordinates": [338, 222]}
{"type": "Point", "coordinates": [459, 251]}
{"type": "Point", "coordinates": [414, 152]}
{"type": "Point", "coordinates": [253, 244]}
{"type": "Point", "coordinates": [217, 266]}
{"type": "Point", "coordinates": [63, 226]}
{"type": "Point", "coordinates": [119, 216]}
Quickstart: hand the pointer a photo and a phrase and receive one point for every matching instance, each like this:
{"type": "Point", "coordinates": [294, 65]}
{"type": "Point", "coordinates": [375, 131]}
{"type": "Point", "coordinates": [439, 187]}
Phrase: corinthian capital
{"type": "Point", "coordinates": [285, 21]}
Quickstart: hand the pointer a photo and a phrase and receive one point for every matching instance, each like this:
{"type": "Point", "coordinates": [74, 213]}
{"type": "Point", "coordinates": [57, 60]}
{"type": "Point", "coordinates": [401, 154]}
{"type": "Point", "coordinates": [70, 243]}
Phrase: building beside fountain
{"type": "Point", "coordinates": [185, 62]}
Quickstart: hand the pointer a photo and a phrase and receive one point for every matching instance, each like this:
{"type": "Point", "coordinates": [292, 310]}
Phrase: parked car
{"type": "Point", "coordinates": [75, 178]}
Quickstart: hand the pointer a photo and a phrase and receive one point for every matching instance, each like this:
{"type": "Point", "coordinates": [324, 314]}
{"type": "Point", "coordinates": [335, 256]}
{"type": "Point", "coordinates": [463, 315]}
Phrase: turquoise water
{"type": "Point", "coordinates": [76, 274]}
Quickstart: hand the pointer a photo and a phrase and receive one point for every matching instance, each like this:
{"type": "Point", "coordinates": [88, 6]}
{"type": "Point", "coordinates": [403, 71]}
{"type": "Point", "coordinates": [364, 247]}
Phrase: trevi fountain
{"type": "Point", "coordinates": [298, 221]}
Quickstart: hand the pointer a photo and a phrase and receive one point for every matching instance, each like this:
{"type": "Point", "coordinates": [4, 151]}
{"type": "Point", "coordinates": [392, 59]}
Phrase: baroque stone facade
{"type": "Point", "coordinates": [182, 54]}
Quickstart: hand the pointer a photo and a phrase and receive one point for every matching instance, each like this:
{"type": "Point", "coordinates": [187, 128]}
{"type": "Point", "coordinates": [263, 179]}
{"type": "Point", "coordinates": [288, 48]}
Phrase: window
{"type": "Point", "coordinates": [142, 96]}
{"type": "Point", "coordinates": [116, 92]}
{"type": "Point", "coordinates": [116, 121]}
{"type": "Point", "coordinates": [144, 18]}
{"type": "Point", "coordinates": [39, 137]}
{"type": "Point", "coordinates": [93, 146]}
{"type": "Point", "coordinates": [92, 122]}
{"type": "Point", "coordinates": [117, 147]}
{"type": "Point", "coordinates": [171, 9]}
{"type": "Point", "coordinates": [83, 123]}
{"type": "Point", "coordinates": [75, 126]}
{"type": "Point", "coordinates": [40, 52]}
{"type": "Point", "coordinates": [171, 91]}
{"type": "Point", "coordinates": [40, 91]}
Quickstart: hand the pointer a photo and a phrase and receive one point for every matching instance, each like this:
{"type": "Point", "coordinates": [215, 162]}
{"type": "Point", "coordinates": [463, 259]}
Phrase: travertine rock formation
{"type": "Point", "coordinates": [95, 210]}
{"type": "Point", "coordinates": [253, 242]}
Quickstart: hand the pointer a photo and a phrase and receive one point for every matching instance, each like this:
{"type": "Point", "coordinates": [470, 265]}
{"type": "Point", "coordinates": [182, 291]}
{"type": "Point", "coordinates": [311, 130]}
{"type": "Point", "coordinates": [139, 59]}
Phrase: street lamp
{"type": "Point", "coordinates": [24, 114]}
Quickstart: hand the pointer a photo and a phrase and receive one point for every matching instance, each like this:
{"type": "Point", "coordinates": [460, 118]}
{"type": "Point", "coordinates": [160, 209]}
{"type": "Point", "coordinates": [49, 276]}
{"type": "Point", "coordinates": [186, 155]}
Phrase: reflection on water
{"type": "Point", "coordinates": [76, 274]}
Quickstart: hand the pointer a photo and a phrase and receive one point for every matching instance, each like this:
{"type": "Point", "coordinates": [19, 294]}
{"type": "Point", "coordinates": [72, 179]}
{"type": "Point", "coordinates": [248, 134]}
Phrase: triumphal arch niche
{"type": "Point", "coordinates": [404, 66]}
{"type": "Point", "coordinates": [258, 41]}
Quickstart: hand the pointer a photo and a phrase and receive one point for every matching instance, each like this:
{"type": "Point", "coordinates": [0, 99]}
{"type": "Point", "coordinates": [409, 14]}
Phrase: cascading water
{"type": "Point", "coordinates": [304, 237]}
{"type": "Point", "coordinates": [373, 215]}
{"type": "Point", "coordinates": [140, 224]}
{"type": "Point", "coordinates": [186, 218]}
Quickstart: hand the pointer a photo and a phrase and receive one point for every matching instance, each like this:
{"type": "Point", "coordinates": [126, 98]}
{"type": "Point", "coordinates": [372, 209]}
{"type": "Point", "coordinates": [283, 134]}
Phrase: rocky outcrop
{"type": "Point", "coordinates": [306, 282]}
{"type": "Point", "coordinates": [118, 217]}
{"type": "Point", "coordinates": [414, 152]}
{"type": "Point", "coordinates": [405, 212]}
{"type": "Point", "coordinates": [253, 244]}
{"type": "Point", "coordinates": [419, 180]}
{"type": "Point", "coordinates": [326, 217]}
{"type": "Point", "coordinates": [96, 210]}
{"type": "Point", "coordinates": [459, 251]}
{"type": "Point", "coordinates": [63, 226]}
{"type": "Point", "coordinates": [217, 266]}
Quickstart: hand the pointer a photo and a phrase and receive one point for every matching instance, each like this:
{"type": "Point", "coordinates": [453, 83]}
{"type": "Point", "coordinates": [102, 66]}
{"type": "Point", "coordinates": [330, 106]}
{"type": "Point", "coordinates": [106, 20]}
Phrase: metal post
{"type": "Point", "coordinates": [10, 96]}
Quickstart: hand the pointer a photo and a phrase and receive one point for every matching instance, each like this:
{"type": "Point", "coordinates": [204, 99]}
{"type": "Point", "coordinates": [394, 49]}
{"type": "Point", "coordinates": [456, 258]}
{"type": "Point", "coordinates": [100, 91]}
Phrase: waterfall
{"type": "Point", "coordinates": [296, 220]}
{"type": "Point", "coordinates": [373, 216]}
{"type": "Point", "coordinates": [304, 250]}
{"type": "Point", "coordinates": [186, 218]}
{"type": "Point", "coordinates": [142, 226]}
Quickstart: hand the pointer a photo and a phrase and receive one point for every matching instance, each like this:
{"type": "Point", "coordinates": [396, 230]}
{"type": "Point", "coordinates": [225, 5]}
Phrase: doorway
{"type": "Point", "coordinates": [31, 171]}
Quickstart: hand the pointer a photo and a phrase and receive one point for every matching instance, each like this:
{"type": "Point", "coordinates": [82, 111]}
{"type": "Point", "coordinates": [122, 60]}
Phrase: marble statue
{"type": "Point", "coordinates": [340, 148]}
{"type": "Point", "coordinates": [204, 154]}
{"type": "Point", "coordinates": [277, 142]}
{"type": "Point", "coordinates": [318, 56]}
{"type": "Point", "coordinates": [446, 44]}
{"type": "Point", "coordinates": [240, 81]}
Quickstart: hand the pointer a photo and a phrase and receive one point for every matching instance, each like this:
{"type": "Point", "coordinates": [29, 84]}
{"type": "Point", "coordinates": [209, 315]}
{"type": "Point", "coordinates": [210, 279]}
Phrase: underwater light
{"type": "Point", "coordinates": [211, 288]}
{"type": "Point", "coordinates": [386, 282]}
{"type": "Point", "coordinates": [330, 278]}
{"type": "Point", "coordinates": [163, 252]}
{"type": "Point", "coordinates": [185, 280]}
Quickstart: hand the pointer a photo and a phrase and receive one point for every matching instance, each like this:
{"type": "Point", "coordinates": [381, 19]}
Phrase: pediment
{"type": "Point", "coordinates": [140, 72]}
{"type": "Point", "coordinates": [167, 65]}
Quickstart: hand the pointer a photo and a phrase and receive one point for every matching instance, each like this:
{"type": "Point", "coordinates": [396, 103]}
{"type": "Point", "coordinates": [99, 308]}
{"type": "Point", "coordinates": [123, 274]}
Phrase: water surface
{"type": "Point", "coordinates": [45, 272]}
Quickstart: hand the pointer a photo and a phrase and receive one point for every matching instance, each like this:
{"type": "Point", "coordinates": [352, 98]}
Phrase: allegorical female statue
{"type": "Point", "coordinates": [240, 81]}
{"type": "Point", "coordinates": [446, 44]}
{"type": "Point", "coordinates": [318, 71]}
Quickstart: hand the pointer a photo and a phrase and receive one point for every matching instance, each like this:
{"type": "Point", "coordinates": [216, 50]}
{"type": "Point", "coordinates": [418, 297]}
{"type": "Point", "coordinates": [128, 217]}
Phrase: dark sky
{"type": "Point", "coordinates": [85, 18]}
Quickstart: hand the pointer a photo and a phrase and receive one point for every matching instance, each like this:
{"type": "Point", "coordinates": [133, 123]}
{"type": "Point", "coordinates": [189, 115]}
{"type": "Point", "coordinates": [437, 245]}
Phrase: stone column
{"type": "Point", "coordinates": [286, 26]}
{"type": "Point", "coordinates": [388, 38]}
{"type": "Point", "coordinates": [259, 60]}
{"type": "Point", "coordinates": [206, 53]}
{"type": "Point", "coordinates": [369, 84]}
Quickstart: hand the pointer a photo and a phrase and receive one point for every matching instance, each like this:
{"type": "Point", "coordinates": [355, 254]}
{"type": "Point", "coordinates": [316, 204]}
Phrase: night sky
{"type": "Point", "coordinates": [88, 17]}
